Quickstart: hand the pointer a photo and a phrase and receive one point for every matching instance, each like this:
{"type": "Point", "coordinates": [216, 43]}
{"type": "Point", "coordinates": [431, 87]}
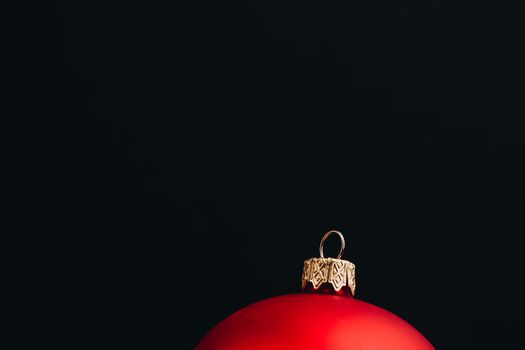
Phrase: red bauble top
{"type": "Point", "coordinates": [325, 317]}
{"type": "Point", "coordinates": [313, 322]}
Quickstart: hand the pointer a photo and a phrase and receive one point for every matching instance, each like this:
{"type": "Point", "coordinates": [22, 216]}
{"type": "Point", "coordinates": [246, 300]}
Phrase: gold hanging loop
{"type": "Point", "coordinates": [341, 238]}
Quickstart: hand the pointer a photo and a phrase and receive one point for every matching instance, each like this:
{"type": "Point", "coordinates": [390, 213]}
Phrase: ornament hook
{"type": "Point", "coordinates": [328, 234]}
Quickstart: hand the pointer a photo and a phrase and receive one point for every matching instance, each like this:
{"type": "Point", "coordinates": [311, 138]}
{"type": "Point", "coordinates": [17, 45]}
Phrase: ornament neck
{"type": "Point", "coordinates": [328, 275]}
{"type": "Point", "coordinates": [326, 288]}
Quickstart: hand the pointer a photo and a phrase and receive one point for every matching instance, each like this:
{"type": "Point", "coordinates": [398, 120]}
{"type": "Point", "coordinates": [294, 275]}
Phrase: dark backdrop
{"type": "Point", "coordinates": [182, 160]}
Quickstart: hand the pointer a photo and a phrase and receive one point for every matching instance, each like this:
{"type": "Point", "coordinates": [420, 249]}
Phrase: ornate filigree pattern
{"type": "Point", "coordinates": [350, 277]}
{"type": "Point", "coordinates": [306, 273]}
{"type": "Point", "coordinates": [338, 273]}
{"type": "Point", "coordinates": [320, 269]}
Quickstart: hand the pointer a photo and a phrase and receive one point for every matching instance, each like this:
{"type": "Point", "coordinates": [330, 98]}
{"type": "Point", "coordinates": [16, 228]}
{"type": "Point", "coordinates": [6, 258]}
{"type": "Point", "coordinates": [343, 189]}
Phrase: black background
{"type": "Point", "coordinates": [182, 160]}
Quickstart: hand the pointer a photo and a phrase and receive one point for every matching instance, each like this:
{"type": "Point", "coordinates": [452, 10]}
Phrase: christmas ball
{"type": "Point", "coordinates": [325, 316]}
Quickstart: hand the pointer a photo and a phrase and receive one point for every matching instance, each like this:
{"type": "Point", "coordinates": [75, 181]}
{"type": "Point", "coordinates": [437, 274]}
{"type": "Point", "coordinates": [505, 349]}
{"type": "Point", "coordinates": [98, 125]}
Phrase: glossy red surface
{"type": "Point", "coordinates": [313, 322]}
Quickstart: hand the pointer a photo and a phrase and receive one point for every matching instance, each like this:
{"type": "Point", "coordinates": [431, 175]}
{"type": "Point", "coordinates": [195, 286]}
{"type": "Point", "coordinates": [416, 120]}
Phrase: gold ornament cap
{"type": "Point", "coordinates": [329, 275]}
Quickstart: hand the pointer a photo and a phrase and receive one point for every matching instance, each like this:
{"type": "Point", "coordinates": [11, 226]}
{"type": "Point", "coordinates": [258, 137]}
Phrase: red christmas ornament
{"type": "Point", "coordinates": [324, 317]}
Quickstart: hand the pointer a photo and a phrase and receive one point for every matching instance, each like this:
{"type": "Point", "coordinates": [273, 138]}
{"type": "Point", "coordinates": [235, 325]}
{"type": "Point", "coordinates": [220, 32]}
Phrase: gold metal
{"type": "Point", "coordinates": [328, 234]}
{"type": "Point", "coordinates": [336, 272]}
